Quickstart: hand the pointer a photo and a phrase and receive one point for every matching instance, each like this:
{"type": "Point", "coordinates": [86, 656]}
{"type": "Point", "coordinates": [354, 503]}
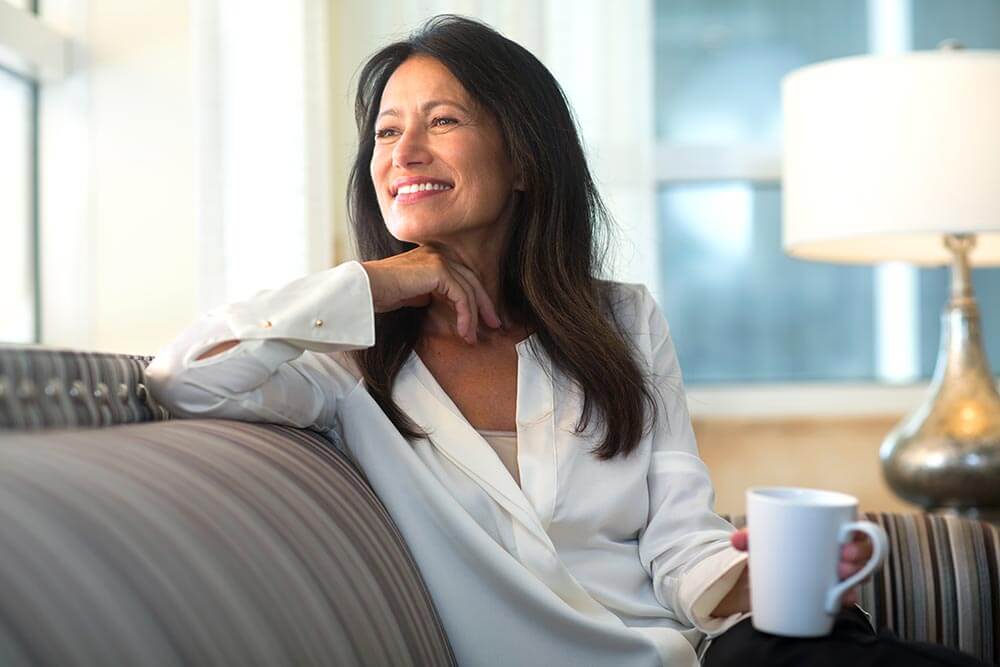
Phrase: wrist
{"type": "Point", "coordinates": [374, 283]}
{"type": "Point", "coordinates": [737, 600]}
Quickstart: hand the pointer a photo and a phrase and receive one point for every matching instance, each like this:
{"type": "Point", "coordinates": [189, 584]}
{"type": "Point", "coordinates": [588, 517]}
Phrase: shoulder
{"type": "Point", "coordinates": [634, 309]}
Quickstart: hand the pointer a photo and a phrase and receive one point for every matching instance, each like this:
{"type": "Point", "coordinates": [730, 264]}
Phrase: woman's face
{"type": "Point", "coordinates": [439, 166]}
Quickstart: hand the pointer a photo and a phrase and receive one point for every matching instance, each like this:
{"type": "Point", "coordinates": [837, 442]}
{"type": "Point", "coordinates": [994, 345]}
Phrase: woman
{"type": "Point", "coordinates": [522, 420]}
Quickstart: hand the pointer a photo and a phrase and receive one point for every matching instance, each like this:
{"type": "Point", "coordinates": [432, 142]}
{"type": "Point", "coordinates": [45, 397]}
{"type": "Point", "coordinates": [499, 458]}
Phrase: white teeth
{"type": "Point", "coordinates": [420, 187]}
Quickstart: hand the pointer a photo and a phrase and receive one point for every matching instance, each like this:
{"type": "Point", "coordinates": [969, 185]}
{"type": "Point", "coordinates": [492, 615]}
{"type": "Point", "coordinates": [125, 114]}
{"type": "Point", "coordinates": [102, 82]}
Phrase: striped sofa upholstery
{"type": "Point", "coordinates": [228, 543]}
{"type": "Point", "coordinates": [940, 582]}
{"type": "Point", "coordinates": [202, 542]}
{"type": "Point", "coordinates": [44, 388]}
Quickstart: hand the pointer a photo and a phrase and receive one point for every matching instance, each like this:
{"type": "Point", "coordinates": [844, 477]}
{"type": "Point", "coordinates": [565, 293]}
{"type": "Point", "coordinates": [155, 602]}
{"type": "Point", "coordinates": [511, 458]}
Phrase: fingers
{"type": "Point", "coordinates": [858, 551]}
{"type": "Point", "coordinates": [740, 539]}
{"type": "Point", "coordinates": [854, 556]}
{"type": "Point", "coordinates": [463, 301]}
{"type": "Point", "coordinates": [410, 279]}
{"type": "Point", "coordinates": [485, 305]}
{"type": "Point", "coordinates": [471, 304]}
{"type": "Point", "coordinates": [850, 598]}
{"type": "Point", "coordinates": [845, 570]}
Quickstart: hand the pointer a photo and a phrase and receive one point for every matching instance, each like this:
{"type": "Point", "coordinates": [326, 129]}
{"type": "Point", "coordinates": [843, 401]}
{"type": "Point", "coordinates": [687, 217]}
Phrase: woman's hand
{"type": "Point", "coordinates": [412, 278]}
{"type": "Point", "coordinates": [853, 557]}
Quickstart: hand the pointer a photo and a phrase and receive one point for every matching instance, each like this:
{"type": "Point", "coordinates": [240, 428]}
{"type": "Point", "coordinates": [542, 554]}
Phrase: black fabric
{"type": "Point", "coordinates": [852, 643]}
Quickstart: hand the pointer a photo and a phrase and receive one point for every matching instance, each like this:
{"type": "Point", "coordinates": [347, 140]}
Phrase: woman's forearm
{"type": "Point", "coordinates": [737, 600]}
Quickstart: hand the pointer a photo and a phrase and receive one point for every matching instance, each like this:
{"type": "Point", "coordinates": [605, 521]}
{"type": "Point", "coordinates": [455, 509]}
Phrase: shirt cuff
{"type": "Point", "coordinates": [326, 311]}
{"type": "Point", "coordinates": [704, 586]}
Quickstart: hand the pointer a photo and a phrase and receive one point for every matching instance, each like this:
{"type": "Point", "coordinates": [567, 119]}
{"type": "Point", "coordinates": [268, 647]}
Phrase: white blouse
{"type": "Point", "coordinates": [586, 562]}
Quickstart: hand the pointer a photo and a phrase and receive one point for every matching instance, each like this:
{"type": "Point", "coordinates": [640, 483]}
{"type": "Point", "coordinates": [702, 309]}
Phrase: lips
{"type": "Point", "coordinates": [417, 185]}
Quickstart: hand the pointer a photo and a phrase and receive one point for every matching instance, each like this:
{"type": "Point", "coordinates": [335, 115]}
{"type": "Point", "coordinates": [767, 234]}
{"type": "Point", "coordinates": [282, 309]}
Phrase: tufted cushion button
{"type": "Point", "coordinates": [78, 389]}
{"type": "Point", "coordinates": [26, 390]}
{"type": "Point", "coordinates": [56, 388]}
{"type": "Point", "coordinates": [101, 392]}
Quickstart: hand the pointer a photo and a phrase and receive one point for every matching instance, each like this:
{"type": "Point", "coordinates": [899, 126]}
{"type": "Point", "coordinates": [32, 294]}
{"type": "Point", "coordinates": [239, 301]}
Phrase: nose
{"type": "Point", "coordinates": [411, 149]}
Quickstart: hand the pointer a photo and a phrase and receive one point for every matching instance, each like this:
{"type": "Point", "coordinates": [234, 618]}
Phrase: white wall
{"type": "Point", "coordinates": [263, 116]}
{"type": "Point", "coordinates": [118, 219]}
{"type": "Point", "coordinates": [183, 163]}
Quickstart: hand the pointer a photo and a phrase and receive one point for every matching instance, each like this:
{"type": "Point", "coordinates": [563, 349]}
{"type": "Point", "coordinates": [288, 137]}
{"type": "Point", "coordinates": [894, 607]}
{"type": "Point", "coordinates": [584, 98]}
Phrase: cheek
{"type": "Point", "coordinates": [377, 171]}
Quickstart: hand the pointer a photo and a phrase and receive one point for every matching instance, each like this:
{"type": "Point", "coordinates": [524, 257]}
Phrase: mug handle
{"type": "Point", "coordinates": [881, 546]}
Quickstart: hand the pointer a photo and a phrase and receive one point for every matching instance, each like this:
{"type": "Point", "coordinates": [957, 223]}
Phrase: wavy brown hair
{"type": "Point", "coordinates": [549, 273]}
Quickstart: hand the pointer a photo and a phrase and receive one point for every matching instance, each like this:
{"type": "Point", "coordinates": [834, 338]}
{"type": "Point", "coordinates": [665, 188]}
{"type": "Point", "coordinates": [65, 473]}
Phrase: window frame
{"type": "Point", "coordinates": [36, 54]}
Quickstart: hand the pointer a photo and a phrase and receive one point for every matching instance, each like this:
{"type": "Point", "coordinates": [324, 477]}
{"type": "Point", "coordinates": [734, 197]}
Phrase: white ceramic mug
{"type": "Point", "coordinates": [796, 537]}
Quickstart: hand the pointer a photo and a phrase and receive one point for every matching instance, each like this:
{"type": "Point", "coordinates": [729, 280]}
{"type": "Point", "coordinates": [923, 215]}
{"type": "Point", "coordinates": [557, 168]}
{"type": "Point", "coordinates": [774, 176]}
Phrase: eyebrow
{"type": "Point", "coordinates": [425, 107]}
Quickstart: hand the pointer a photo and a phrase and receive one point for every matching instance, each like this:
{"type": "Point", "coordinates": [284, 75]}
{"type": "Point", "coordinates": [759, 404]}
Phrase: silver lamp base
{"type": "Point", "coordinates": [945, 456]}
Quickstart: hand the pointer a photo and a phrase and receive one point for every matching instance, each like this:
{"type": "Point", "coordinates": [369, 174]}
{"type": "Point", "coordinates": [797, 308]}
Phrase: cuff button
{"type": "Point", "coordinates": [318, 323]}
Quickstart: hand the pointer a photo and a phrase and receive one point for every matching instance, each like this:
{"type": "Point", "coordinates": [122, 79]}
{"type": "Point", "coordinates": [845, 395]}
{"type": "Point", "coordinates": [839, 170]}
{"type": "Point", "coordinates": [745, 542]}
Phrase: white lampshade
{"type": "Point", "coordinates": [885, 154]}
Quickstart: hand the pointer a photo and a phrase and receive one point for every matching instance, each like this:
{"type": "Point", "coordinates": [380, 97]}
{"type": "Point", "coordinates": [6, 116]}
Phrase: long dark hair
{"type": "Point", "coordinates": [549, 274]}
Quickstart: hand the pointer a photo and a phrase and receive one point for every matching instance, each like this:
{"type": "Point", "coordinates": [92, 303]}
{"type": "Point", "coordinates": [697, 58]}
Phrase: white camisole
{"type": "Point", "coordinates": [504, 443]}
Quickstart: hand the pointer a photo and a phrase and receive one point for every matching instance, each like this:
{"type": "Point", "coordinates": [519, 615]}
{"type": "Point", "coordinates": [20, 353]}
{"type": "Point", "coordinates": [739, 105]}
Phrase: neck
{"type": "Point", "coordinates": [480, 250]}
{"type": "Point", "coordinates": [483, 259]}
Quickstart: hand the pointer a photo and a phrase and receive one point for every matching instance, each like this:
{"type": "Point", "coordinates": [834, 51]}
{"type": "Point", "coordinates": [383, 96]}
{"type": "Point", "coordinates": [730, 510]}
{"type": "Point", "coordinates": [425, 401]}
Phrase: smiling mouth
{"type": "Point", "coordinates": [412, 192]}
{"type": "Point", "coordinates": [421, 187]}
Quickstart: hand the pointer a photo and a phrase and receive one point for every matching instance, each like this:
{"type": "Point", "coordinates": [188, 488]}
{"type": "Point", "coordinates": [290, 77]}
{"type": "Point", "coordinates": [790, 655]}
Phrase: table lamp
{"type": "Point", "coordinates": [897, 158]}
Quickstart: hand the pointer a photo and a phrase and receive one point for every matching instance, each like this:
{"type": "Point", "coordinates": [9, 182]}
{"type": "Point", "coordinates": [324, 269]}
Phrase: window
{"type": "Point", "coordinates": [18, 265]}
{"type": "Point", "coordinates": [739, 309]}
{"type": "Point", "coordinates": [31, 53]}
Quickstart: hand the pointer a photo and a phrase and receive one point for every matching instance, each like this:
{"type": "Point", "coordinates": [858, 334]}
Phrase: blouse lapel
{"type": "Point", "coordinates": [457, 440]}
{"type": "Point", "coordinates": [420, 396]}
{"type": "Point", "coordinates": [536, 437]}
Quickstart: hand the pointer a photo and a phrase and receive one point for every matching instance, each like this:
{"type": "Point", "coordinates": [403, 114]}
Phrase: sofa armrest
{"type": "Point", "coordinates": [202, 542]}
{"type": "Point", "coordinates": [940, 582]}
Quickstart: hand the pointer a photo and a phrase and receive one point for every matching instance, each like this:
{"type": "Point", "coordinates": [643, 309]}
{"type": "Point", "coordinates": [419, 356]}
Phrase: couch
{"type": "Point", "coordinates": [131, 538]}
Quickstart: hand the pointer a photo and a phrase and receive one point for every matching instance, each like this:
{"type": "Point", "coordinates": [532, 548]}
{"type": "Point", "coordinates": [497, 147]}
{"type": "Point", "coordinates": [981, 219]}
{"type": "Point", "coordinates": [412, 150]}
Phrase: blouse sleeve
{"type": "Point", "coordinates": [685, 545]}
{"type": "Point", "coordinates": [284, 369]}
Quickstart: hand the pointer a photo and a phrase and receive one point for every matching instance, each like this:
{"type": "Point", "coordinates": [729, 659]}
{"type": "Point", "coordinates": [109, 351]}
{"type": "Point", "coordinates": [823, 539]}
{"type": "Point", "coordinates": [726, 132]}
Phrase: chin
{"type": "Point", "coordinates": [415, 231]}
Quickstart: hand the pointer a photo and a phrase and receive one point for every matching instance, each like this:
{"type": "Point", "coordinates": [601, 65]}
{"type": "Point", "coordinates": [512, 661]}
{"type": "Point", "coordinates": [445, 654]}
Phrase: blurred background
{"type": "Point", "coordinates": [160, 157]}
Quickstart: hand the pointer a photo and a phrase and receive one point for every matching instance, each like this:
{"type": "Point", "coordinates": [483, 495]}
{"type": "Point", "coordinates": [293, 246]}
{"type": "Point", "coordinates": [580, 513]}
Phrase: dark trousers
{"type": "Point", "coordinates": [852, 643]}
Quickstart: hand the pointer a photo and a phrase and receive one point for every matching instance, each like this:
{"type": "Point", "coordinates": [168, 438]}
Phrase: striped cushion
{"type": "Point", "coordinates": [202, 542]}
{"type": "Point", "coordinates": [940, 582]}
{"type": "Point", "coordinates": [42, 388]}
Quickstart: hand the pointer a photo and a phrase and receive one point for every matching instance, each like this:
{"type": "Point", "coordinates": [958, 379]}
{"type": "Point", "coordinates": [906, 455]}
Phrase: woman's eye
{"type": "Point", "coordinates": [442, 122]}
{"type": "Point", "coordinates": [384, 132]}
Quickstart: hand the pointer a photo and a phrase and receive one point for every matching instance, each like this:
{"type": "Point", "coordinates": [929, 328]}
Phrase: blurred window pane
{"type": "Point", "coordinates": [974, 23]}
{"type": "Point", "coordinates": [17, 300]}
{"type": "Point", "coordinates": [739, 309]}
{"type": "Point", "coordinates": [719, 62]}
